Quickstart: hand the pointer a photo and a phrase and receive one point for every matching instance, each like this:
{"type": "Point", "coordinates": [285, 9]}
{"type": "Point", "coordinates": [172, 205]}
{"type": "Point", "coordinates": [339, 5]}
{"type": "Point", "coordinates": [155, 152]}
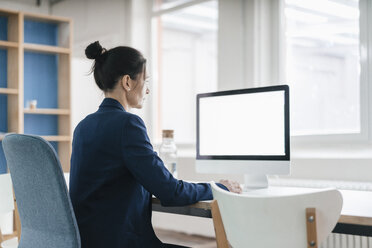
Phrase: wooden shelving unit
{"type": "Point", "coordinates": [8, 44]}
{"type": "Point", "coordinates": [8, 91]}
{"type": "Point", "coordinates": [39, 111]}
{"type": "Point", "coordinates": [46, 18]}
{"type": "Point", "coordinates": [34, 45]}
{"type": "Point", "coordinates": [57, 138]}
{"type": "Point", "coordinates": [46, 49]}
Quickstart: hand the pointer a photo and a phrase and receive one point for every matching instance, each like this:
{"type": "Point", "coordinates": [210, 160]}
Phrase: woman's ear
{"type": "Point", "coordinates": [125, 82]}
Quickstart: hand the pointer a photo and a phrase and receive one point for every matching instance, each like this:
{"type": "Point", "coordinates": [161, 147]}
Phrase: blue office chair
{"type": "Point", "coordinates": [46, 213]}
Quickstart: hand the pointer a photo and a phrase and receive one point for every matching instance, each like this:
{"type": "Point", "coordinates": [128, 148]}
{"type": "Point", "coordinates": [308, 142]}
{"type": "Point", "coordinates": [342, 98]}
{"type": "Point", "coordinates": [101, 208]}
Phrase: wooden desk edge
{"type": "Point", "coordinates": [355, 220]}
{"type": "Point", "coordinates": [206, 205]}
{"type": "Point", "coordinates": [344, 219]}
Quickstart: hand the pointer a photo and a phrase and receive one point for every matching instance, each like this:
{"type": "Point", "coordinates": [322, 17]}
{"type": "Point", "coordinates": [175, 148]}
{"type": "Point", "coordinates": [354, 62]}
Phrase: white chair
{"type": "Point", "coordinates": [6, 206]}
{"type": "Point", "coordinates": [275, 217]}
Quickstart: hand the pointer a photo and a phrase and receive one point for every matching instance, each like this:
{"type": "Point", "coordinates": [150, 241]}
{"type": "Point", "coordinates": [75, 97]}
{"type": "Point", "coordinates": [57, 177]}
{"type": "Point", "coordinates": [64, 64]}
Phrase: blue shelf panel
{"type": "Point", "coordinates": [42, 33]}
{"type": "Point", "coordinates": [41, 124]}
{"type": "Point", "coordinates": [3, 68]}
{"type": "Point", "coordinates": [3, 167]}
{"type": "Point", "coordinates": [3, 28]}
{"type": "Point", "coordinates": [41, 79]}
{"type": "Point", "coordinates": [3, 84]}
{"type": "Point", "coordinates": [3, 113]}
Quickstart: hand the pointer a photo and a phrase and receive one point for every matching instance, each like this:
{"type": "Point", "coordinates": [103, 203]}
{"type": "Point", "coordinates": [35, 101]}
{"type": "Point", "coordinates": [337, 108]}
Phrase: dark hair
{"type": "Point", "coordinates": [111, 65]}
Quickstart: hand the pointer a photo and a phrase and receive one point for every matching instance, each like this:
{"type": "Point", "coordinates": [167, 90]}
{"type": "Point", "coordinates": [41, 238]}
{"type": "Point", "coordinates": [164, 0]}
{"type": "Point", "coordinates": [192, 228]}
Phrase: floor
{"type": "Point", "coordinates": [184, 239]}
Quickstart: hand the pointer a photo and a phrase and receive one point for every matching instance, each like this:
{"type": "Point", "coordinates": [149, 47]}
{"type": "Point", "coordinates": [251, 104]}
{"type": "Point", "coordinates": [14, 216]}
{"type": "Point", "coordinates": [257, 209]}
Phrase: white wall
{"type": "Point", "coordinates": [26, 5]}
{"type": "Point", "coordinates": [231, 47]}
{"type": "Point", "coordinates": [94, 20]}
{"type": "Point", "coordinates": [85, 94]}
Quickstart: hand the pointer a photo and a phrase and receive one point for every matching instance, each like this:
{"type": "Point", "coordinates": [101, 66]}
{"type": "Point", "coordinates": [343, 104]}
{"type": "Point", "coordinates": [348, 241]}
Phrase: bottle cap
{"type": "Point", "coordinates": [168, 133]}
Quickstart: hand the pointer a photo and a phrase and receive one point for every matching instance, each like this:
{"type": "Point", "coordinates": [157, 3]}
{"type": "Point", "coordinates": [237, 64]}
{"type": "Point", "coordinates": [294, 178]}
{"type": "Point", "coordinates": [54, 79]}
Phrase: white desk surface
{"type": "Point", "coordinates": [356, 208]}
{"type": "Point", "coordinates": [355, 202]}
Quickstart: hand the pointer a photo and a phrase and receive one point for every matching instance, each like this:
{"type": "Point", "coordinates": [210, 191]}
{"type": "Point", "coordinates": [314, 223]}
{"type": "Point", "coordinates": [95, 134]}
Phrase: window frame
{"type": "Point", "coordinates": [185, 147]}
{"type": "Point", "coordinates": [365, 49]}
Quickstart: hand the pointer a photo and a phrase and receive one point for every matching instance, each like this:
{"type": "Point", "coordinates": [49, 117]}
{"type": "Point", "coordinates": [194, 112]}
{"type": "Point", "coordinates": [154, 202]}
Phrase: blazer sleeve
{"type": "Point", "coordinates": [146, 166]}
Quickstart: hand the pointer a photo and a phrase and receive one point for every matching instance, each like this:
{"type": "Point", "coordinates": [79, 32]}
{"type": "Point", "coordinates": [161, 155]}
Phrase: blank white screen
{"type": "Point", "coordinates": [242, 124]}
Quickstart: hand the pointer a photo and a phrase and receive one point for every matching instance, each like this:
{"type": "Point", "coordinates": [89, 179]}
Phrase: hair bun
{"type": "Point", "coordinates": [93, 50]}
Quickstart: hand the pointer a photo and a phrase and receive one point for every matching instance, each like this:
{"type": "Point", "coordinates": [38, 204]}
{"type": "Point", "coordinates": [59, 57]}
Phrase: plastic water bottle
{"type": "Point", "coordinates": [168, 152]}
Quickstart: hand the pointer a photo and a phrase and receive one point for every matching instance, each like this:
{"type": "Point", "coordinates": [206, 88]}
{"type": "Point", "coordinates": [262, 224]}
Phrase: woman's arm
{"type": "Point", "coordinates": [146, 166]}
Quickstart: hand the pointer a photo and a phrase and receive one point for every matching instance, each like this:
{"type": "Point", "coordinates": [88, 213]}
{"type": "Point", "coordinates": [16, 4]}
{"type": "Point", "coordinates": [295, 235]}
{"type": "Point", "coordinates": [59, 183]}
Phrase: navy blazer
{"type": "Point", "coordinates": [114, 172]}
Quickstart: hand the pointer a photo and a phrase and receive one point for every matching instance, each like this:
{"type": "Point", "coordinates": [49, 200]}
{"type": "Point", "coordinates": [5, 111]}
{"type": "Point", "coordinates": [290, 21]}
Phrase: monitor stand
{"type": "Point", "coordinates": [255, 181]}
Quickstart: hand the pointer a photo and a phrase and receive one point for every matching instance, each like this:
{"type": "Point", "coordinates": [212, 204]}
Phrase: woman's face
{"type": "Point", "coordinates": [136, 96]}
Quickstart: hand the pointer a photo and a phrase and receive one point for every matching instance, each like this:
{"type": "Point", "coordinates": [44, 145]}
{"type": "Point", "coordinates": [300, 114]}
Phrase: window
{"type": "Point", "coordinates": [323, 66]}
{"type": "Point", "coordinates": [168, 4]}
{"type": "Point", "coordinates": [185, 63]}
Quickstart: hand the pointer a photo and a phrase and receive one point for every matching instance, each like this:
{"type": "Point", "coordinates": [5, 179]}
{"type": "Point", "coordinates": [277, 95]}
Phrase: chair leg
{"type": "Point", "coordinates": [17, 221]}
{"type": "Point", "coordinates": [1, 238]}
{"type": "Point", "coordinates": [219, 229]}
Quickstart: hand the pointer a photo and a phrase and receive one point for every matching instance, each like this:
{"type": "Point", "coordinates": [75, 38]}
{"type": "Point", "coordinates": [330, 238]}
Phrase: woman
{"type": "Point", "coordinates": [114, 169]}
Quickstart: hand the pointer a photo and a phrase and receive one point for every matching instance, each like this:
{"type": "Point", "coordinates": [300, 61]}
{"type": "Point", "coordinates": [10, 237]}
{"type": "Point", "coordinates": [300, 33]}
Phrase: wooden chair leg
{"type": "Point", "coordinates": [219, 229]}
{"type": "Point", "coordinates": [1, 238]}
{"type": "Point", "coordinates": [17, 221]}
{"type": "Point", "coordinates": [312, 239]}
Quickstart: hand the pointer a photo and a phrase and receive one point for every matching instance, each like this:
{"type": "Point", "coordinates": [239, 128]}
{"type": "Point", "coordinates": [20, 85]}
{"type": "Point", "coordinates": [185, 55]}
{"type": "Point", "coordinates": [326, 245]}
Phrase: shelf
{"type": "Point", "coordinates": [48, 138]}
{"type": "Point", "coordinates": [41, 111]}
{"type": "Point", "coordinates": [8, 91]}
{"type": "Point", "coordinates": [8, 12]}
{"type": "Point", "coordinates": [57, 138]}
{"type": "Point", "coordinates": [45, 48]}
{"type": "Point", "coordinates": [8, 44]}
{"type": "Point", "coordinates": [2, 135]}
{"type": "Point", "coordinates": [48, 18]}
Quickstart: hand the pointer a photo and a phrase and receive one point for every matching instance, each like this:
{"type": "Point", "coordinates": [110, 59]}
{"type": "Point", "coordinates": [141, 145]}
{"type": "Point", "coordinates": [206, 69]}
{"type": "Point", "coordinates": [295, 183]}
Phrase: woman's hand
{"type": "Point", "coordinates": [232, 186]}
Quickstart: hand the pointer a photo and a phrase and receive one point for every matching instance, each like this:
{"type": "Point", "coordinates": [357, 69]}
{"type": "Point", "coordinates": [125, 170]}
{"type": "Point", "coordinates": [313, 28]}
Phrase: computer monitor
{"type": "Point", "coordinates": [244, 131]}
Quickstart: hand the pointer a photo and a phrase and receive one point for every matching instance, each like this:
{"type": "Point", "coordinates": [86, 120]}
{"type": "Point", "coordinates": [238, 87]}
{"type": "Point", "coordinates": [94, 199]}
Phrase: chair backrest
{"type": "Point", "coordinates": [276, 217]}
{"type": "Point", "coordinates": [46, 213]}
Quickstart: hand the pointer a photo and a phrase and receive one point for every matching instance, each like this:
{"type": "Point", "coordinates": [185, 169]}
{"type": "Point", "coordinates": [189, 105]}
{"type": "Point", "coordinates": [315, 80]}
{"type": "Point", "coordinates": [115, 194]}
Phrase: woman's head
{"type": "Point", "coordinates": [120, 71]}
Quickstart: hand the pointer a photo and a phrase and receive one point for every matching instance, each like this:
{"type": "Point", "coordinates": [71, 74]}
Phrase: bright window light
{"type": "Point", "coordinates": [185, 44]}
{"type": "Point", "coordinates": [323, 66]}
{"type": "Point", "coordinates": [331, 8]}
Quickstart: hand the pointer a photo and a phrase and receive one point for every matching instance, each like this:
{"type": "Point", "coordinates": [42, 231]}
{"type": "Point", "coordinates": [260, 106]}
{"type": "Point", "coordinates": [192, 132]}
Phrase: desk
{"type": "Point", "coordinates": [355, 219]}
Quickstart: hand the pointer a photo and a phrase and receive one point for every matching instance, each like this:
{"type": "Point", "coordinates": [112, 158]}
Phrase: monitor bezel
{"type": "Point", "coordinates": [286, 156]}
